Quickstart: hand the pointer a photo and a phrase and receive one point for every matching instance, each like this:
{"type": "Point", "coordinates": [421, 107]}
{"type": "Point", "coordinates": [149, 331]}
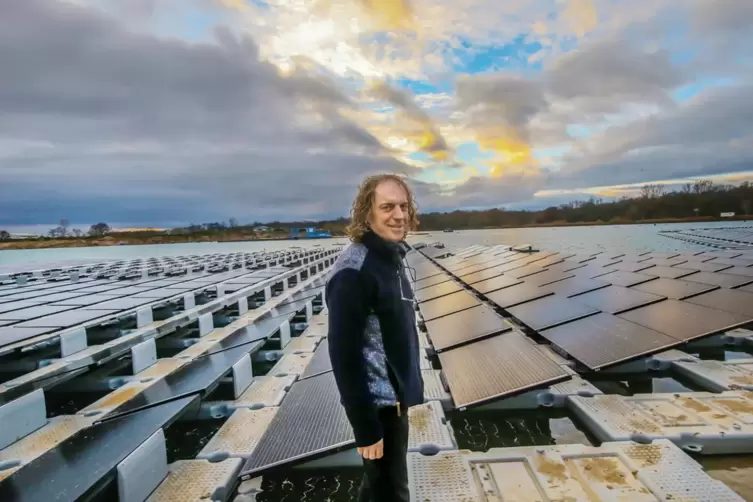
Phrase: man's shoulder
{"type": "Point", "coordinates": [352, 257]}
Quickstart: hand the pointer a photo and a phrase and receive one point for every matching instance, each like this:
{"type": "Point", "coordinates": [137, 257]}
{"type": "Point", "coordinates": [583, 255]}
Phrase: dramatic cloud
{"type": "Point", "coordinates": [710, 135]}
{"type": "Point", "coordinates": [499, 111]}
{"type": "Point", "coordinates": [163, 112]}
{"type": "Point", "coordinates": [102, 123]}
{"type": "Point", "coordinates": [416, 124]}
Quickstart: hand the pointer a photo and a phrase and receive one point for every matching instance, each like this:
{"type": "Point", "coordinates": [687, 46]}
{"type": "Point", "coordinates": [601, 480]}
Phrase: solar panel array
{"type": "Point", "coordinates": [44, 301]}
{"type": "Point", "coordinates": [740, 238]}
{"type": "Point", "coordinates": [601, 309]}
{"type": "Point", "coordinates": [482, 357]}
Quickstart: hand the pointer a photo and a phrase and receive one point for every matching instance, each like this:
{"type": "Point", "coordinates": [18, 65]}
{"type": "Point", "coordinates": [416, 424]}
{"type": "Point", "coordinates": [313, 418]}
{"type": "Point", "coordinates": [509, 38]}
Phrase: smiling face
{"type": "Point", "coordinates": [389, 212]}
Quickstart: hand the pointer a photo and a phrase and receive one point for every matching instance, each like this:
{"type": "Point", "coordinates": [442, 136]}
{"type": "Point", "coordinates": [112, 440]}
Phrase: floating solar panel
{"type": "Point", "coordinates": [722, 279]}
{"type": "Point", "coordinates": [431, 281]}
{"type": "Point", "coordinates": [740, 270]}
{"type": "Point", "coordinates": [75, 465]}
{"type": "Point", "coordinates": [524, 272]}
{"type": "Point", "coordinates": [573, 286]}
{"type": "Point", "coordinates": [31, 312]}
{"type": "Point", "coordinates": [21, 304]}
{"type": "Point", "coordinates": [500, 282]}
{"type": "Point", "coordinates": [685, 321]}
{"type": "Point", "coordinates": [438, 291]}
{"type": "Point", "coordinates": [675, 289]}
{"type": "Point", "coordinates": [723, 254]}
{"type": "Point", "coordinates": [602, 340]}
{"type": "Point", "coordinates": [584, 258]}
{"type": "Point", "coordinates": [84, 301]}
{"type": "Point", "coordinates": [465, 326]}
{"type": "Point", "coordinates": [511, 266]}
{"type": "Point", "coordinates": [131, 290]}
{"type": "Point", "coordinates": [672, 272]}
{"type": "Point", "coordinates": [660, 255]}
{"type": "Point", "coordinates": [616, 299]}
{"type": "Point", "coordinates": [239, 280]}
{"type": "Point", "coordinates": [670, 262]}
{"type": "Point", "coordinates": [548, 277]}
{"type": "Point", "coordinates": [592, 270]}
{"type": "Point", "coordinates": [482, 275]}
{"type": "Point", "coordinates": [103, 289]}
{"type": "Point", "coordinates": [447, 305]}
{"type": "Point", "coordinates": [519, 259]}
{"type": "Point", "coordinates": [310, 423]}
{"type": "Point", "coordinates": [30, 295]}
{"type": "Point", "coordinates": [551, 260]}
{"type": "Point", "coordinates": [120, 304]}
{"type": "Point", "coordinates": [708, 266]}
{"type": "Point", "coordinates": [730, 300]}
{"type": "Point", "coordinates": [626, 279]}
{"type": "Point", "coordinates": [566, 266]}
{"type": "Point", "coordinates": [602, 261]}
{"type": "Point", "coordinates": [476, 260]}
{"type": "Point", "coordinates": [631, 266]}
{"type": "Point", "coordinates": [161, 293]}
{"type": "Point", "coordinates": [320, 363]}
{"type": "Point", "coordinates": [542, 255]}
{"type": "Point", "coordinates": [12, 334]}
{"type": "Point", "coordinates": [495, 368]}
{"type": "Point", "coordinates": [738, 262]}
{"type": "Point", "coordinates": [56, 297]}
{"type": "Point", "coordinates": [748, 288]}
{"type": "Point", "coordinates": [517, 295]}
{"type": "Point", "coordinates": [471, 269]}
{"type": "Point", "coordinates": [452, 267]}
{"type": "Point", "coordinates": [428, 272]}
{"type": "Point", "coordinates": [550, 311]}
{"type": "Point", "coordinates": [65, 319]}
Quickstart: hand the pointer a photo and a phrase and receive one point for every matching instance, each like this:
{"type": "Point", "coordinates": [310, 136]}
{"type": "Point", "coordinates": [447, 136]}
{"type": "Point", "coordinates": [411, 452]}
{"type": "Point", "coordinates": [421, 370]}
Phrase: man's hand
{"type": "Point", "coordinates": [372, 452]}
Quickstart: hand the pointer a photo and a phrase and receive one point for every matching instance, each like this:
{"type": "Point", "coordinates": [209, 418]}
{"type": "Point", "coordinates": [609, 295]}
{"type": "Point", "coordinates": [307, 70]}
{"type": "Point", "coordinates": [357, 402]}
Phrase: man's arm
{"type": "Point", "coordinates": [348, 304]}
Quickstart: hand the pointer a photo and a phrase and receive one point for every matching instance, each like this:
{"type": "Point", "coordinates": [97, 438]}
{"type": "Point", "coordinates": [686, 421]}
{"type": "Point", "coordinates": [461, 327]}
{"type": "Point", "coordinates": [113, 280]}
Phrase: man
{"type": "Point", "coordinates": [373, 342]}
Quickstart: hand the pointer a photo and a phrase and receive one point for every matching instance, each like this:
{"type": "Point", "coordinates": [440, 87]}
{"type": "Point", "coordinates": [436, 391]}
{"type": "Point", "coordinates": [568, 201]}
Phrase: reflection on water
{"type": "Point", "coordinates": [735, 471]}
{"type": "Point", "coordinates": [481, 431]}
{"type": "Point", "coordinates": [720, 354]}
{"type": "Point", "coordinates": [633, 384]}
{"type": "Point", "coordinates": [730, 355]}
{"type": "Point", "coordinates": [313, 486]}
{"type": "Point", "coordinates": [186, 439]}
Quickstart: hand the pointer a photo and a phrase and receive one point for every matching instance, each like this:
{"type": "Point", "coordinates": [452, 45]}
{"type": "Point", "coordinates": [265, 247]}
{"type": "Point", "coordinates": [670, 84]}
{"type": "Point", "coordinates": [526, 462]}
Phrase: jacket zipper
{"type": "Point", "coordinates": [402, 297]}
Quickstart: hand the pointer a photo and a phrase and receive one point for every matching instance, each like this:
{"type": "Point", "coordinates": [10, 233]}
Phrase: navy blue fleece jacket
{"type": "Point", "coordinates": [373, 344]}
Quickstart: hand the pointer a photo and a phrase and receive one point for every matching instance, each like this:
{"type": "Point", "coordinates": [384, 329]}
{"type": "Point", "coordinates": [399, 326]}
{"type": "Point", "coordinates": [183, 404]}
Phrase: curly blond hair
{"type": "Point", "coordinates": [364, 201]}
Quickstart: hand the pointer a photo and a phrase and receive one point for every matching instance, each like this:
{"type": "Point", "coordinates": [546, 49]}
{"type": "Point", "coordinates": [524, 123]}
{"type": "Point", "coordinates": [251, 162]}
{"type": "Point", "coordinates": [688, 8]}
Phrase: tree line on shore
{"type": "Point", "coordinates": [700, 200]}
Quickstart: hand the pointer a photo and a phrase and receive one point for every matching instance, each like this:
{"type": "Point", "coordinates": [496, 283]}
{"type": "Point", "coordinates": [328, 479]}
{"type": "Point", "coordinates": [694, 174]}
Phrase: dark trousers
{"type": "Point", "coordinates": [386, 479]}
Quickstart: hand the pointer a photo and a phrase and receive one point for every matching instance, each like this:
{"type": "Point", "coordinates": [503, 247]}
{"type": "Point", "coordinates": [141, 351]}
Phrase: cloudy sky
{"type": "Point", "coordinates": [166, 112]}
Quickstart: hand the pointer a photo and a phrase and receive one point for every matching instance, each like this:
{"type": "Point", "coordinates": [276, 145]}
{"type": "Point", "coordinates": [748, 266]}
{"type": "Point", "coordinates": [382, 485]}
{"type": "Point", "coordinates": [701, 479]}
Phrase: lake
{"type": "Point", "coordinates": [573, 239]}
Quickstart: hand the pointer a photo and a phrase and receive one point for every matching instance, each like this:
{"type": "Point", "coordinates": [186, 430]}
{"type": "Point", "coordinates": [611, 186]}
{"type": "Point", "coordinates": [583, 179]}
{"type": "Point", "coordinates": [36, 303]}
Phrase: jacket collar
{"type": "Point", "coordinates": [391, 251]}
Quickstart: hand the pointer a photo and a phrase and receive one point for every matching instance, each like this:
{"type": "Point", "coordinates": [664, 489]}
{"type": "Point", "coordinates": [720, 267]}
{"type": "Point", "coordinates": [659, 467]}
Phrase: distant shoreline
{"type": "Point", "coordinates": [658, 221]}
{"type": "Point", "coordinates": [126, 240]}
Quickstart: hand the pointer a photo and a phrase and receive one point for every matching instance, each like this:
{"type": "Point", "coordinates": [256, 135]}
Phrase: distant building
{"type": "Point", "coordinates": [309, 233]}
{"type": "Point", "coordinates": [261, 228]}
